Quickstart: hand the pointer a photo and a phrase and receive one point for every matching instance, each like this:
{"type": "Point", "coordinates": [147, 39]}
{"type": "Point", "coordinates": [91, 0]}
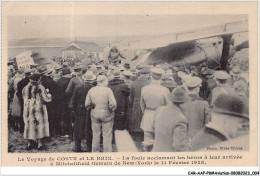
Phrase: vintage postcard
{"type": "Point", "coordinates": [129, 84]}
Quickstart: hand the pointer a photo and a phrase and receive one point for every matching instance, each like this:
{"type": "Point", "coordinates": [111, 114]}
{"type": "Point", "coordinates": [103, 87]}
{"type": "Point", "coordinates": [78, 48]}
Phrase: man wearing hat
{"type": "Point", "coordinates": [170, 125]}
{"type": "Point", "coordinates": [99, 68]}
{"type": "Point", "coordinates": [77, 80]}
{"type": "Point", "coordinates": [11, 70]}
{"type": "Point", "coordinates": [152, 96]}
{"type": "Point", "coordinates": [222, 85]}
{"type": "Point", "coordinates": [208, 82]}
{"type": "Point", "coordinates": [197, 110]}
{"type": "Point", "coordinates": [82, 127]}
{"type": "Point", "coordinates": [166, 82]}
{"type": "Point", "coordinates": [121, 68]}
{"type": "Point", "coordinates": [102, 99]}
{"type": "Point", "coordinates": [51, 87]}
{"type": "Point", "coordinates": [56, 74]}
{"type": "Point", "coordinates": [136, 117]}
{"type": "Point", "coordinates": [121, 92]}
{"type": "Point", "coordinates": [33, 68]}
{"type": "Point", "coordinates": [228, 114]}
{"type": "Point", "coordinates": [127, 78]}
{"type": "Point", "coordinates": [236, 76]}
{"type": "Point", "coordinates": [141, 66]}
{"type": "Point", "coordinates": [176, 76]}
{"type": "Point", "coordinates": [127, 66]}
{"type": "Point", "coordinates": [134, 73]}
{"type": "Point", "coordinates": [63, 102]}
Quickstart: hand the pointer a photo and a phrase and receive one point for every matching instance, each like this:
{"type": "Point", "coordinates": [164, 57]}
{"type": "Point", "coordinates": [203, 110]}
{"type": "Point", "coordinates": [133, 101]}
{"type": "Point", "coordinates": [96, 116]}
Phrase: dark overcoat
{"type": "Point", "coordinates": [71, 86]}
{"type": "Point", "coordinates": [82, 127]}
{"type": "Point", "coordinates": [51, 85]}
{"type": "Point", "coordinates": [136, 118]}
{"type": "Point", "coordinates": [62, 105]}
{"type": "Point", "coordinates": [121, 92]}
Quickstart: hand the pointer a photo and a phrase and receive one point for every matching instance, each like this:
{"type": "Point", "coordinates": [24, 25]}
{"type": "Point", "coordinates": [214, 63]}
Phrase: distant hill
{"type": "Point", "coordinates": [102, 41]}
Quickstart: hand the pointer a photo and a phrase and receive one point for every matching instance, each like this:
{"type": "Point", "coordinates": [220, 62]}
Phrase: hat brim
{"type": "Point", "coordinates": [77, 68]}
{"type": "Point", "coordinates": [238, 115]}
{"type": "Point", "coordinates": [43, 72]}
{"type": "Point", "coordinates": [232, 73]}
{"type": "Point", "coordinates": [179, 100]}
{"type": "Point", "coordinates": [87, 79]}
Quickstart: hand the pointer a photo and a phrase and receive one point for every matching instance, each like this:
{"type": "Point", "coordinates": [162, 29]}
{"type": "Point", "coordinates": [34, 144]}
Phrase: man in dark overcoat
{"type": "Point", "coordinates": [82, 127]}
{"type": "Point", "coordinates": [63, 103]}
{"type": "Point", "coordinates": [51, 87]}
{"type": "Point", "coordinates": [121, 92]}
{"type": "Point", "coordinates": [136, 87]}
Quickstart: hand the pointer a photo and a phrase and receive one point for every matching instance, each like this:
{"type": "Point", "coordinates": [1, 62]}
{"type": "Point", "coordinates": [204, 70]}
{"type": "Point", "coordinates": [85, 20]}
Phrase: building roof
{"type": "Point", "coordinates": [84, 46]}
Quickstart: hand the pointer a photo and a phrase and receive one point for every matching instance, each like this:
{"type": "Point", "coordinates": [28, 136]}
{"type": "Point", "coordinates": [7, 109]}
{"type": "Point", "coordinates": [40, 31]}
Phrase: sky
{"type": "Point", "coordinates": [20, 27]}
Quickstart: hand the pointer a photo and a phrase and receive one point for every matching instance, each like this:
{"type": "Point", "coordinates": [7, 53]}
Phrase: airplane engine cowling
{"type": "Point", "coordinates": [188, 53]}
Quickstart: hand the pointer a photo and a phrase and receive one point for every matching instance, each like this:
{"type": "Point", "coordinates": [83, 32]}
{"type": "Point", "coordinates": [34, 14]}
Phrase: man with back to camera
{"type": "Point", "coordinates": [152, 96]}
{"type": "Point", "coordinates": [228, 114]}
{"type": "Point", "coordinates": [102, 115]}
{"type": "Point", "coordinates": [170, 124]}
{"type": "Point", "coordinates": [197, 110]}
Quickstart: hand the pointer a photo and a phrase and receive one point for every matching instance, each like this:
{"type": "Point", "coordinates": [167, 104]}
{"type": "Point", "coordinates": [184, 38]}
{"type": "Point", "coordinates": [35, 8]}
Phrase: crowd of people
{"type": "Point", "coordinates": [167, 108]}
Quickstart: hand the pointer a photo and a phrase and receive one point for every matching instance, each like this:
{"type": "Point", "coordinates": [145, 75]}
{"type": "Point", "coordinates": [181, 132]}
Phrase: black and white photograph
{"type": "Point", "coordinates": [128, 83]}
{"type": "Point", "coordinates": [154, 88]}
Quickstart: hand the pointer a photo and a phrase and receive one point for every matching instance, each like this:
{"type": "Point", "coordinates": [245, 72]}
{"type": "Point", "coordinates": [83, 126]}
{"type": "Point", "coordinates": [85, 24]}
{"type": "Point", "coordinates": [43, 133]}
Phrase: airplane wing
{"type": "Point", "coordinates": [202, 33]}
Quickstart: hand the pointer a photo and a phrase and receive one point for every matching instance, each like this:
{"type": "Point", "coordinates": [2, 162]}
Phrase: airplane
{"type": "Point", "coordinates": [213, 45]}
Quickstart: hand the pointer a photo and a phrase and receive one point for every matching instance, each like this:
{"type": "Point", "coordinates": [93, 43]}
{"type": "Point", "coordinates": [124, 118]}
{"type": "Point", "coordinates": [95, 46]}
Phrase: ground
{"type": "Point", "coordinates": [17, 144]}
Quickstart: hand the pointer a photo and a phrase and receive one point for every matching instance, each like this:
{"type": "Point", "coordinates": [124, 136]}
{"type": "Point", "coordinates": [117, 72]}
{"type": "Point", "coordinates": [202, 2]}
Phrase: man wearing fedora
{"type": "Point", "coordinates": [127, 78]}
{"type": "Point", "coordinates": [74, 81]}
{"type": "Point", "coordinates": [228, 114]}
{"type": "Point", "coordinates": [11, 70]}
{"type": "Point", "coordinates": [82, 127]}
{"type": "Point", "coordinates": [170, 124]}
{"type": "Point", "coordinates": [222, 86]}
{"type": "Point", "coordinates": [63, 102]}
{"type": "Point", "coordinates": [127, 66]}
{"type": "Point", "coordinates": [121, 92]}
{"type": "Point", "coordinates": [136, 117]}
{"type": "Point", "coordinates": [197, 110]}
{"type": "Point", "coordinates": [102, 99]}
{"type": "Point", "coordinates": [77, 80]}
{"type": "Point", "coordinates": [152, 96]}
{"type": "Point", "coordinates": [51, 87]}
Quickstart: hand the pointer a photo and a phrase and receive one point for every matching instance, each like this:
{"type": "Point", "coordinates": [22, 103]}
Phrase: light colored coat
{"type": "Point", "coordinates": [152, 96]}
{"type": "Point", "coordinates": [170, 129]}
{"type": "Point", "coordinates": [197, 113]}
{"type": "Point", "coordinates": [105, 104]}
